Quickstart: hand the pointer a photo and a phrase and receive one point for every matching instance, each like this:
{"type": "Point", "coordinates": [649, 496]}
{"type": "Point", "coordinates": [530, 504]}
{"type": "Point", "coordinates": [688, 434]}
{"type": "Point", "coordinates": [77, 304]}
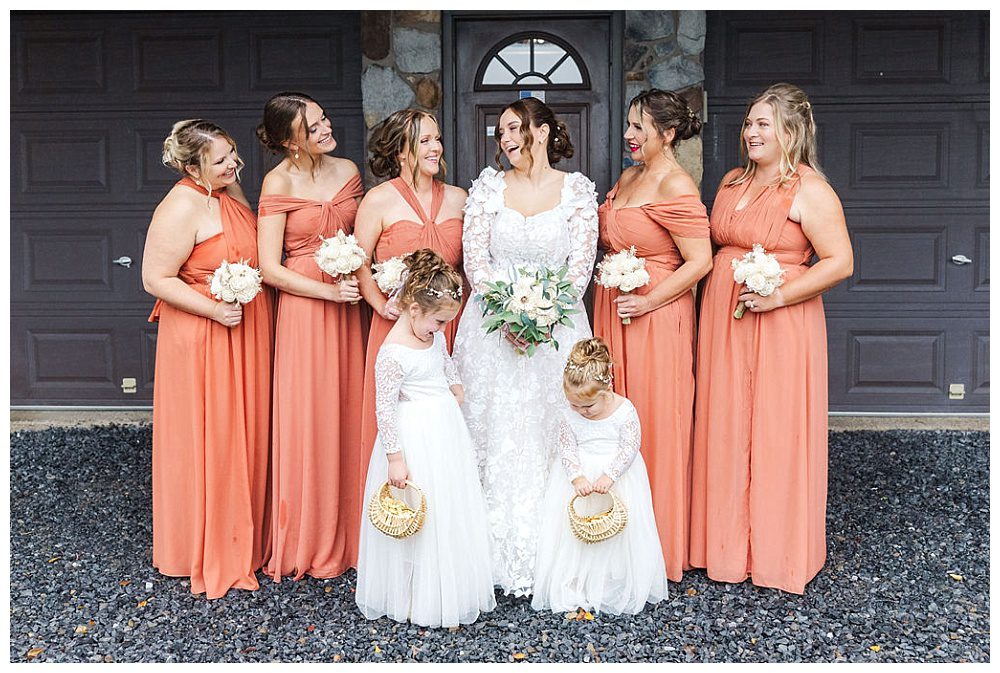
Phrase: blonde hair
{"type": "Point", "coordinates": [188, 145]}
{"type": "Point", "coordinates": [430, 281]}
{"type": "Point", "coordinates": [588, 368]}
{"type": "Point", "coordinates": [398, 131]}
{"type": "Point", "coordinates": [794, 128]}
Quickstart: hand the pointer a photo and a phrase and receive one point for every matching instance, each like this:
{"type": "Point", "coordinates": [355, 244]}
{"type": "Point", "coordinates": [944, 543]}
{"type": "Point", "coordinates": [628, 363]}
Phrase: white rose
{"type": "Point", "coordinates": [739, 273]}
{"type": "Point", "coordinates": [756, 281]}
{"type": "Point", "coordinates": [771, 267]}
{"type": "Point", "coordinates": [228, 295]}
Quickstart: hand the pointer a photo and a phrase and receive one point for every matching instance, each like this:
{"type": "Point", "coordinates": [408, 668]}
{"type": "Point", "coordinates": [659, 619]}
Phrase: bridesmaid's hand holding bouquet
{"type": "Point", "coordinates": [760, 273]}
{"type": "Point", "coordinates": [623, 271]}
{"type": "Point", "coordinates": [340, 256]}
{"type": "Point", "coordinates": [235, 284]}
{"type": "Point", "coordinates": [388, 275]}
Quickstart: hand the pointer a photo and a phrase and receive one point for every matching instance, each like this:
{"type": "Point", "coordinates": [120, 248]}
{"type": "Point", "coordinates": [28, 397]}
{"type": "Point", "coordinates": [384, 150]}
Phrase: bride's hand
{"type": "Point", "coordinates": [518, 343]}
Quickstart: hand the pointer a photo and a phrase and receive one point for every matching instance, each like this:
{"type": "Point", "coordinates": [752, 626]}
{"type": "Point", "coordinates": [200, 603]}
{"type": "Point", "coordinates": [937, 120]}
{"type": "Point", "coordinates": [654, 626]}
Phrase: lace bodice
{"type": "Point", "coordinates": [403, 374]}
{"type": "Point", "coordinates": [618, 437]}
{"type": "Point", "coordinates": [497, 239]}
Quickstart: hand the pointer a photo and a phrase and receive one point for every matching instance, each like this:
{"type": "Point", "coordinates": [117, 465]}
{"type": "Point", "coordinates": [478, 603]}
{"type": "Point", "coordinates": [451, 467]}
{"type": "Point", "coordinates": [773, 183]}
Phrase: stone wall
{"type": "Point", "coordinates": [665, 50]}
{"type": "Point", "coordinates": [400, 65]}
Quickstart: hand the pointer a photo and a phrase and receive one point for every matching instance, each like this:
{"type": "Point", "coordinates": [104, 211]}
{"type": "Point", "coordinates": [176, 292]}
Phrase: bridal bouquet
{"type": "Point", "coordinates": [760, 272]}
{"type": "Point", "coordinates": [389, 274]}
{"type": "Point", "coordinates": [530, 305]}
{"type": "Point", "coordinates": [339, 255]}
{"type": "Point", "coordinates": [236, 282]}
{"type": "Point", "coordinates": [622, 270]}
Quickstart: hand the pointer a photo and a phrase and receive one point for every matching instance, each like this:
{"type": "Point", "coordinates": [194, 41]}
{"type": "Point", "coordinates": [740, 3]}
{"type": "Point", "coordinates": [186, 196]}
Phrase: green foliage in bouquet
{"type": "Point", "coordinates": [530, 305]}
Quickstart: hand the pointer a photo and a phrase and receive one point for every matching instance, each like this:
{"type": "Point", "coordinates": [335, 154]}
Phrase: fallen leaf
{"type": "Point", "coordinates": [327, 589]}
{"type": "Point", "coordinates": [753, 641]}
{"type": "Point", "coordinates": [336, 657]}
{"type": "Point", "coordinates": [53, 559]}
{"type": "Point", "coordinates": [957, 578]}
{"type": "Point", "coordinates": [875, 648]}
{"type": "Point", "coordinates": [518, 656]}
{"type": "Point", "coordinates": [80, 629]}
{"type": "Point", "coordinates": [572, 615]}
{"type": "Point", "coordinates": [34, 652]}
{"type": "Point", "coordinates": [142, 604]}
{"type": "Point", "coordinates": [453, 629]}
{"type": "Point", "coordinates": [691, 592]}
{"type": "Point", "coordinates": [589, 617]}
{"type": "Point", "coordinates": [125, 583]}
{"type": "Point", "coordinates": [90, 622]}
{"type": "Point", "coordinates": [302, 640]}
{"type": "Point", "coordinates": [378, 650]}
{"type": "Point", "coordinates": [311, 628]}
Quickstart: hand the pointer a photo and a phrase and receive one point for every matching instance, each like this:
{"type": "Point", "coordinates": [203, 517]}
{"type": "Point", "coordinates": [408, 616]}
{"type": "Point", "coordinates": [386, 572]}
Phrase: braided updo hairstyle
{"type": "Point", "coordinates": [284, 118]}
{"type": "Point", "coordinates": [668, 110]}
{"type": "Point", "coordinates": [588, 368]}
{"type": "Point", "coordinates": [398, 132]}
{"type": "Point", "coordinates": [533, 111]}
{"type": "Point", "coordinates": [430, 281]}
{"type": "Point", "coordinates": [188, 145]}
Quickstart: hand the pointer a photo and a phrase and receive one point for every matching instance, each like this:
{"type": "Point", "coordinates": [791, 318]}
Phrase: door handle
{"type": "Point", "coordinates": [961, 259]}
{"type": "Point", "coordinates": [123, 261]}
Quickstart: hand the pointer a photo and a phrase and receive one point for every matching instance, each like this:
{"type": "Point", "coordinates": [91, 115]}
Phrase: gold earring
{"type": "Point", "coordinates": [296, 154]}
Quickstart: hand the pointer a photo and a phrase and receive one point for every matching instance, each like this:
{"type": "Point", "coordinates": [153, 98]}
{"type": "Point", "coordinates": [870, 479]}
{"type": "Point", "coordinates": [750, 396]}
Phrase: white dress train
{"type": "Point", "coordinates": [513, 402]}
{"type": "Point", "coordinates": [618, 575]}
{"type": "Point", "coordinates": [439, 576]}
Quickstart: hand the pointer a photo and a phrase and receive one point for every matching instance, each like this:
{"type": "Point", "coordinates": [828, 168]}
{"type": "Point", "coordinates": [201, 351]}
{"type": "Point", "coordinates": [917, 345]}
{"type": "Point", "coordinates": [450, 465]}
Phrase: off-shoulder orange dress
{"type": "Point", "coordinates": [318, 378]}
{"type": "Point", "coordinates": [759, 478]}
{"type": "Point", "coordinates": [211, 423]}
{"type": "Point", "coordinates": [654, 356]}
{"type": "Point", "coordinates": [401, 238]}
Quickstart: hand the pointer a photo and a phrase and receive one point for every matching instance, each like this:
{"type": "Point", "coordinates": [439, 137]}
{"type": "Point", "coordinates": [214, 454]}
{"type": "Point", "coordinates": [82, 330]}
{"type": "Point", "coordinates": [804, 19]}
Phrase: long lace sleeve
{"type": "Point", "coordinates": [450, 368]}
{"type": "Point", "coordinates": [583, 231]}
{"type": "Point", "coordinates": [568, 453]}
{"type": "Point", "coordinates": [389, 377]}
{"type": "Point", "coordinates": [629, 440]}
{"type": "Point", "coordinates": [481, 208]}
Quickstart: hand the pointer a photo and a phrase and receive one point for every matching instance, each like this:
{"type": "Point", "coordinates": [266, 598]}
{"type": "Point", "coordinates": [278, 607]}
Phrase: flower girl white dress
{"type": "Point", "coordinates": [620, 574]}
{"type": "Point", "coordinates": [441, 575]}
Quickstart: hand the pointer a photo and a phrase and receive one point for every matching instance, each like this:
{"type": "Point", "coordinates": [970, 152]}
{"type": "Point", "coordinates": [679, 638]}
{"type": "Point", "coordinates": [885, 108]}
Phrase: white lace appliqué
{"type": "Point", "coordinates": [629, 439]}
{"type": "Point", "coordinates": [569, 455]}
{"type": "Point", "coordinates": [450, 368]}
{"type": "Point", "coordinates": [389, 377]}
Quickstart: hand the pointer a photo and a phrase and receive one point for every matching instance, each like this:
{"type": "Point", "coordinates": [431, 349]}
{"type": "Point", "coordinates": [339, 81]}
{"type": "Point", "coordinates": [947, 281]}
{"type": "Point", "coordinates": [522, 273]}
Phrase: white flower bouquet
{"type": "Point", "coordinates": [235, 283]}
{"type": "Point", "coordinates": [760, 272]}
{"type": "Point", "coordinates": [339, 255]}
{"type": "Point", "coordinates": [530, 305]}
{"type": "Point", "coordinates": [389, 274]}
{"type": "Point", "coordinates": [624, 271]}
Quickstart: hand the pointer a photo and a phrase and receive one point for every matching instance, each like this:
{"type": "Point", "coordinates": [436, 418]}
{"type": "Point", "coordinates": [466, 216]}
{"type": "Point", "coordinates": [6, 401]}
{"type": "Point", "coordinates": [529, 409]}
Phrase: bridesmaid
{"type": "Point", "coordinates": [412, 210]}
{"type": "Point", "coordinates": [319, 345]}
{"type": "Point", "coordinates": [760, 446]}
{"type": "Point", "coordinates": [211, 391]}
{"type": "Point", "coordinates": [656, 207]}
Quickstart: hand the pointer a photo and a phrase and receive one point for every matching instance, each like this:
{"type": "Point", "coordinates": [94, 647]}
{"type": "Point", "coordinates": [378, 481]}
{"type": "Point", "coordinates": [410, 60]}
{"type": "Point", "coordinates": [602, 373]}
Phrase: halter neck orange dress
{"type": "Point", "coordinates": [654, 356]}
{"type": "Point", "coordinates": [401, 238]}
{"type": "Point", "coordinates": [759, 477]}
{"type": "Point", "coordinates": [211, 423]}
{"type": "Point", "coordinates": [318, 376]}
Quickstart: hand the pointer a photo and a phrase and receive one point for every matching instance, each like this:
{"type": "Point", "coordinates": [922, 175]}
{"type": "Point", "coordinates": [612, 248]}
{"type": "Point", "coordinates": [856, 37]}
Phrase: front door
{"type": "Point", "coordinates": [566, 59]}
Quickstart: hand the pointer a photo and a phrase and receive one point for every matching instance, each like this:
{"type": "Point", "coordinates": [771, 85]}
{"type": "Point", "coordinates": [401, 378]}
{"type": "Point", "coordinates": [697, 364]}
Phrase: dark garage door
{"type": "Point", "coordinates": [92, 97]}
{"type": "Point", "coordinates": [902, 107]}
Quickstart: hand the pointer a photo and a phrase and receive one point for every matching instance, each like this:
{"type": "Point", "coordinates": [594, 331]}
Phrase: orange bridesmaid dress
{"type": "Point", "coordinates": [318, 377]}
{"type": "Point", "coordinates": [401, 238]}
{"type": "Point", "coordinates": [759, 482]}
{"type": "Point", "coordinates": [654, 356]}
{"type": "Point", "coordinates": [212, 422]}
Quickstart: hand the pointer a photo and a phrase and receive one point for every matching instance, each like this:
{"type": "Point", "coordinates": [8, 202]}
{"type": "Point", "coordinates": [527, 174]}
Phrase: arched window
{"type": "Point", "coordinates": [532, 60]}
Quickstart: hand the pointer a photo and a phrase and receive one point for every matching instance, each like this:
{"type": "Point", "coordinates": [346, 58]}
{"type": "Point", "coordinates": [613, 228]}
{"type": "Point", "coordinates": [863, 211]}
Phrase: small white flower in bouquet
{"type": "Point", "coordinates": [530, 305]}
{"type": "Point", "coordinates": [340, 256]}
{"type": "Point", "coordinates": [760, 272]}
{"type": "Point", "coordinates": [388, 275]}
{"type": "Point", "coordinates": [624, 271]}
{"type": "Point", "coordinates": [235, 283]}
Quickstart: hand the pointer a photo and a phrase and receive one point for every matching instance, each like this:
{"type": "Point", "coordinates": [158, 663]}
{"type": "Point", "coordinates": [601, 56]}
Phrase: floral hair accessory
{"type": "Point", "coordinates": [455, 294]}
{"type": "Point", "coordinates": [601, 378]}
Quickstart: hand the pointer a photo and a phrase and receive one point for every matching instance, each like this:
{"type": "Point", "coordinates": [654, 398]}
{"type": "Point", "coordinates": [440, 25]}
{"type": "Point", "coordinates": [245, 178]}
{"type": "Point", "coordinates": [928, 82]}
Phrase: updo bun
{"type": "Point", "coordinates": [533, 112]}
{"type": "Point", "coordinates": [430, 281]}
{"type": "Point", "coordinates": [188, 145]}
{"type": "Point", "coordinates": [668, 110]}
{"type": "Point", "coordinates": [588, 368]}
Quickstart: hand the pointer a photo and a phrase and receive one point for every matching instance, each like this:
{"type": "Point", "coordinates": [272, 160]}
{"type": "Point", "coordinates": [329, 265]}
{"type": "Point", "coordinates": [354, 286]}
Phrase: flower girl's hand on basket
{"type": "Point", "coordinates": [226, 314]}
{"type": "Point", "coordinates": [398, 472]}
{"type": "Point", "coordinates": [582, 486]}
{"type": "Point", "coordinates": [603, 484]}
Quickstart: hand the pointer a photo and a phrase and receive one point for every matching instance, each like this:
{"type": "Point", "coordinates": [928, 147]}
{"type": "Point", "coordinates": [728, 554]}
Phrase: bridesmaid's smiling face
{"type": "Point", "coordinates": [429, 149]}
{"type": "Point", "coordinates": [317, 135]}
{"type": "Point", "coordinates": [221, 166]}
{"type": "Point", "coordinates": [642, 138]}
{"type": "Point", "coordinates": [760, 137]}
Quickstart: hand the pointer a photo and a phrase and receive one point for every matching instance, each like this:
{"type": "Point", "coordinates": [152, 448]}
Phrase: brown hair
{"type": "Point", "coordinates": [588, 368]}
{"type": "Point", "coordinates": [668, 110]}
{"type": "Point", "coordinates": [430, 281]}
{"type": "Point", "coordinates": [188, 145]}
{"type": "Point", "coordinates": [284, 115]}
{"type": "Point", "coordinates": [533, 111]}
{"type": "Point", "coordinates": [794, 128]}
{"type": "Point", "coordinates": [398, 131]}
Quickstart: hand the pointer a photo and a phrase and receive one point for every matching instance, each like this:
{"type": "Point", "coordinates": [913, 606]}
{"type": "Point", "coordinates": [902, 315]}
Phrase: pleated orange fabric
{"type": "Point", "coordinates": [759, 479]}
{"type": "Point", "coordinates": [318, 378]}
{"type": "Point", "coordinates": [211, 423]}
{"type": "Point", "coordinates": [654, 356]}
{"type": "Point", "coordinates": [401, 238]}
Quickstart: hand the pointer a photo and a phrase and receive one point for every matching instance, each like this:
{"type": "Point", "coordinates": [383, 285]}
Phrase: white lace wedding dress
{"type": "Point", "coordinates": [513, 403]}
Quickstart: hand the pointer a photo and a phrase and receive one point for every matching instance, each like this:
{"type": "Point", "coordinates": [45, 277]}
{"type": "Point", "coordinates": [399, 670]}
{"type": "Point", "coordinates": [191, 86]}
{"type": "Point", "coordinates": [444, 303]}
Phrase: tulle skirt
{"type": "Point", "coordinates": [618, 575]}
{"type": "Point", "coordinates": [439, 576]}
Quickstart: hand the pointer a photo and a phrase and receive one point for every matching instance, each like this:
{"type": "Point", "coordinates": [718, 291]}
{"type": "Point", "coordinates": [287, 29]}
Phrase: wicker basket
{"type": "Point", "coordinates": [394, 517]}
{"type": "Point", "coordinates": [598, 527]}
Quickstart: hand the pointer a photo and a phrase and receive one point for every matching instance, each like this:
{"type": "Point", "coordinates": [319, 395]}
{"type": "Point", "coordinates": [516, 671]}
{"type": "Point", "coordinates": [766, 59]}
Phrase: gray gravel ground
{"type": "Point", "coordinates": [907, 576]}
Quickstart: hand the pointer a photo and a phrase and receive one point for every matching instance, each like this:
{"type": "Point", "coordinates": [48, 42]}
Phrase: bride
{"type": "Point", "coordinates": [530, 215]}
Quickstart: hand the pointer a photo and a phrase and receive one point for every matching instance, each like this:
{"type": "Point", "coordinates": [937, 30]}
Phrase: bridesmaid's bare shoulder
{"type": "Point", "coordinates": [814, 188]}
{"type": "Point", "coordinates": [732, 174]}
{"type": "Point", "coordinates": [454, 195]}
{"type": "Point", "coordinates": [341, 168]}
{"type": "Point", "coordinates": [277, 181]}
{"type": "Point", "coordinates": [675, 184]}
{"type": "Point", "coordinates": [235, 191]}
{"type": "Point", "coordinates": [380, 195]}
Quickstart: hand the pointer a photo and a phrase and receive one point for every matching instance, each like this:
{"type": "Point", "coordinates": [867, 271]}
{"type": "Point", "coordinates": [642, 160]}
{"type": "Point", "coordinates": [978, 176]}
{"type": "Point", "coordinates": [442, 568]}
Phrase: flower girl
{"type": "Point", "coordinates": [440, 575]}
{"type": "Point", "coordinates": [599, 447]}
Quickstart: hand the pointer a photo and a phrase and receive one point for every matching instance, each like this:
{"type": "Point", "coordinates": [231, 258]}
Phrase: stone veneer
{"type": "Point", "coordinates": [401, 65]}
